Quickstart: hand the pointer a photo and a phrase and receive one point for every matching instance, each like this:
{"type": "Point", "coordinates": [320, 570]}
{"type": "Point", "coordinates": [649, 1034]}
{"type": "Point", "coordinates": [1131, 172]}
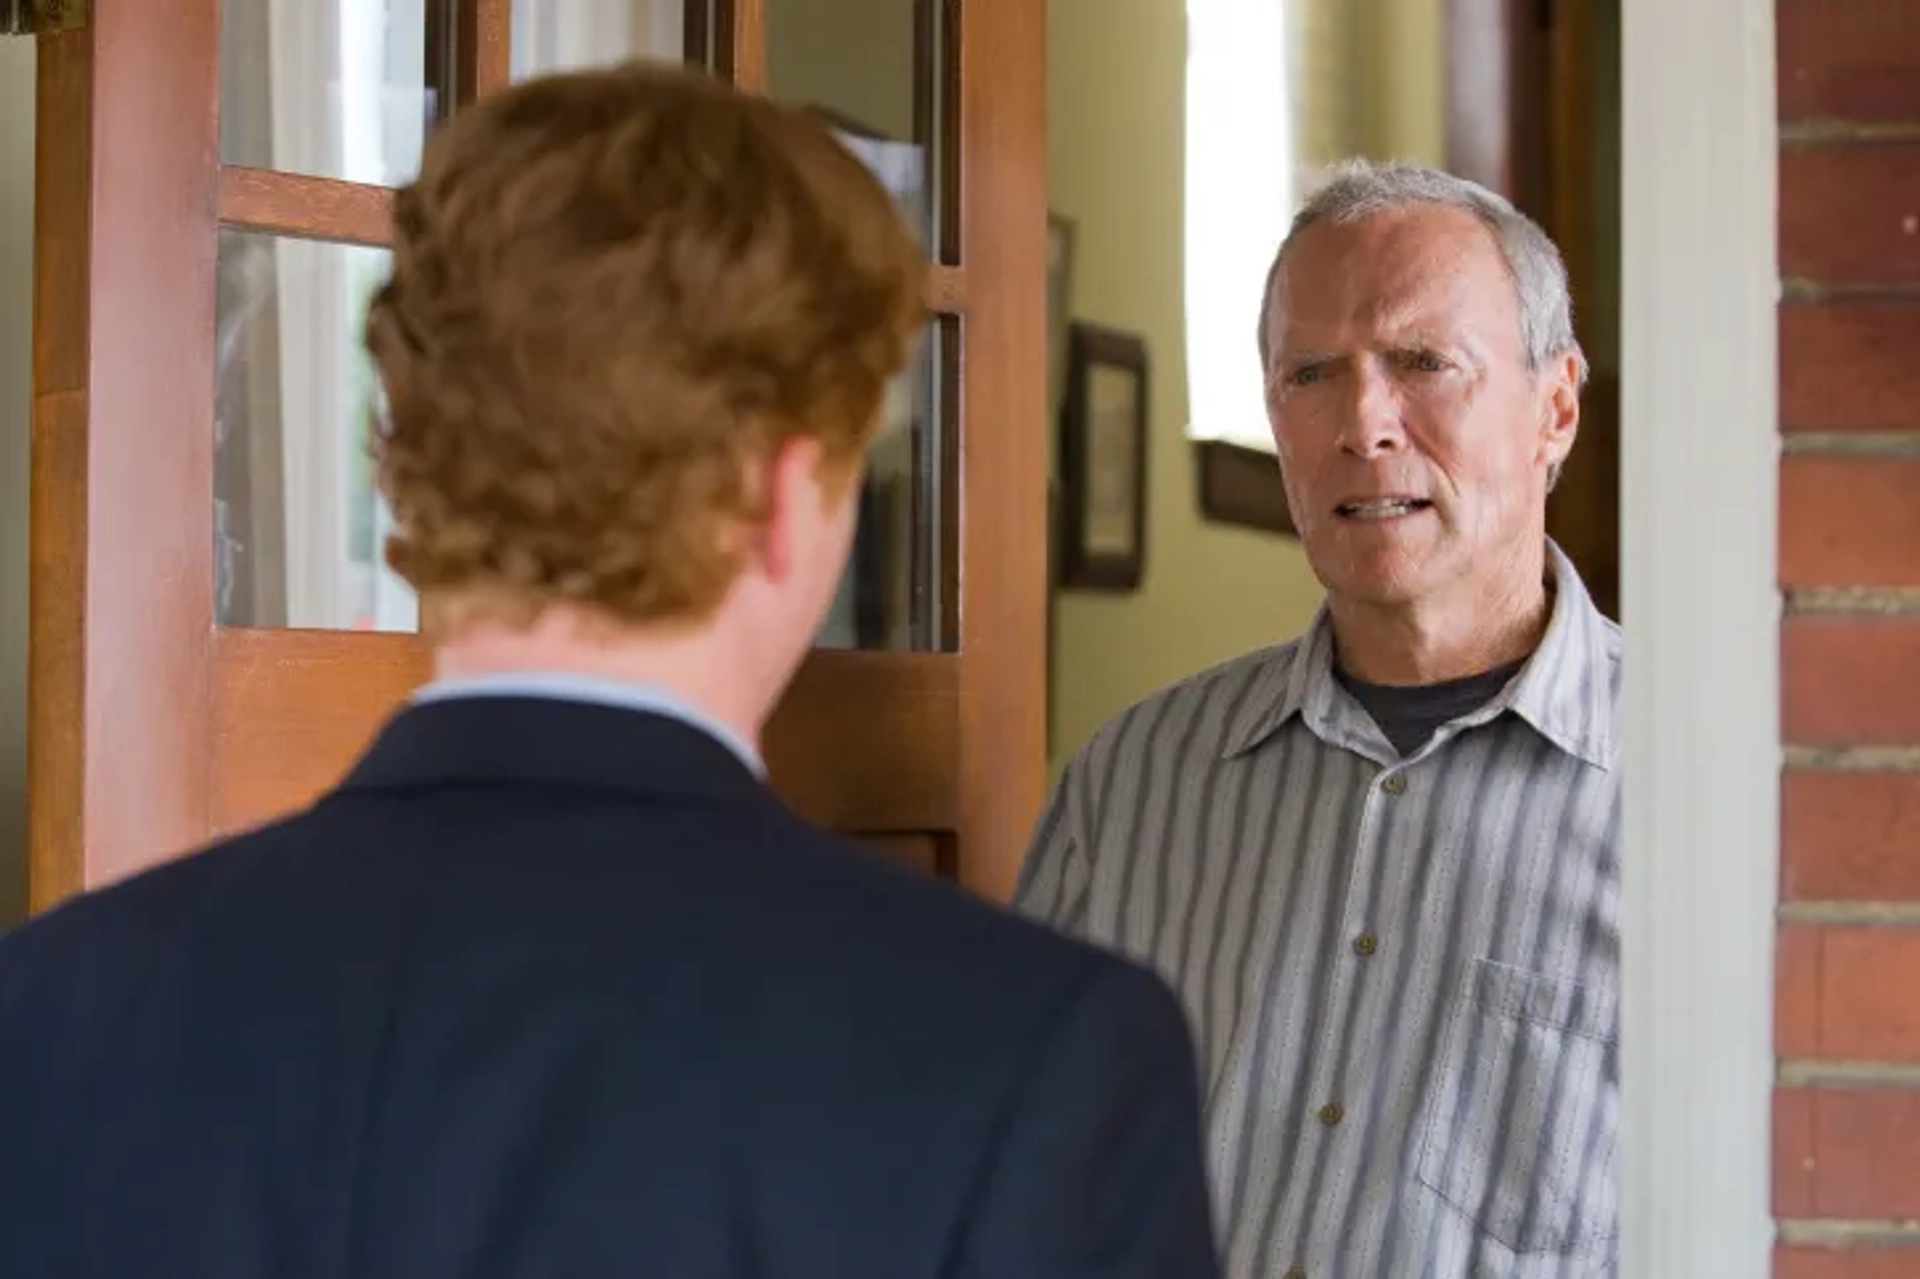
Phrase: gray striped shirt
{"type": "Point", "coordinates": [1402, 974]}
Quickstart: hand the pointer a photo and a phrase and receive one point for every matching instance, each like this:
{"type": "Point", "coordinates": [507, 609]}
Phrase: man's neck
{"type": "Point", "coordinates": [1434, 641]}
{"type": "Point", "coordinates": [684, 666]}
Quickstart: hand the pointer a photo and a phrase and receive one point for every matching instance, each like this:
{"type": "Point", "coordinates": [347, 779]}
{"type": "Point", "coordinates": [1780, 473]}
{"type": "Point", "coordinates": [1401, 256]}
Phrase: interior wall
{"type": "Point", "coordinates": [1401, 98]}
{"type": "Point", "coordinates": [16, 341]}
{"type": "Point", "coordinates": [1116, 97]}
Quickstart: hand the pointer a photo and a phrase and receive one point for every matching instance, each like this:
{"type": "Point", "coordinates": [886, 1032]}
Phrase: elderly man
{"type": "Point", "coordinates": [1380, 862]}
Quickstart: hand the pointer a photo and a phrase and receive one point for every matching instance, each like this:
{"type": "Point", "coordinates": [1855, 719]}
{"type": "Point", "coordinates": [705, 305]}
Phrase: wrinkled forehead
{"type": "Point", "coordinates": [1425, 270]}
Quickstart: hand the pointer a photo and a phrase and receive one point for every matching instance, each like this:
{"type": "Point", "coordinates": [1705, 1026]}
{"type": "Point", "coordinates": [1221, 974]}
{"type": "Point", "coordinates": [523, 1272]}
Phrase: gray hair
{"type": "Point", "coordinates": [1357, 189]}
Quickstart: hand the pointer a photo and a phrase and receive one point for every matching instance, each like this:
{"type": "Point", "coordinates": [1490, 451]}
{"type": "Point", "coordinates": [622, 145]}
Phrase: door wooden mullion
{"type": "Point", "coordinates": [740, 42]}
{"type": "Point", "coordinates": [484, 38]}
{"type": "Point", "coordinates": [304, 207]}
{"type": "Point", "coordinates": [1002, 458]}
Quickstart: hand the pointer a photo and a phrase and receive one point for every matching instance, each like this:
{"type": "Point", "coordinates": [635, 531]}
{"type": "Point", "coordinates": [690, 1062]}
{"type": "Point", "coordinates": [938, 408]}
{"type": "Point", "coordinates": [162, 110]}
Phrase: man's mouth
{"type": "Point", "coordinates": [1381, 508]}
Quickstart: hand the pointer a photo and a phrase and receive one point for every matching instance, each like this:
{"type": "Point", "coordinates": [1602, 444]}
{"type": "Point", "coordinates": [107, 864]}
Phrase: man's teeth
{"type": "Point", "coordinates": [1384, 509]}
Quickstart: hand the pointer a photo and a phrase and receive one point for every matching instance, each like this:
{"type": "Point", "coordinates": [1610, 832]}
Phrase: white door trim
{"type": "Point", "coordinates": [1699, 480]}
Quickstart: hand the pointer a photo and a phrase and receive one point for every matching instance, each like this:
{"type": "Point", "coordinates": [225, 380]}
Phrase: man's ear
{"type": "Point", "coordinates": [1560, 411]}
{"type": "Point", "coordinates": [791, 478]}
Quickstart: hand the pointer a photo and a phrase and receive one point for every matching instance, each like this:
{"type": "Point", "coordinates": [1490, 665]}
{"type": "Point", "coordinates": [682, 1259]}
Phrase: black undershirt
{"type": "Point", "coordinates": [1410, 715]}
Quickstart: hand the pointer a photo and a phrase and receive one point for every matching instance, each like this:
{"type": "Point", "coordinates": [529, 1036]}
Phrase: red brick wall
{"type": "Point", "coordinates": [1846, 1158]}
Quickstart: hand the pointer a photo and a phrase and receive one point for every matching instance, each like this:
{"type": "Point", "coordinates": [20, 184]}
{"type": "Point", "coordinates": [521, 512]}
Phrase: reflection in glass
{"type": "Point", "coordinates": [564, 35]}
{"type": "Point", "coordinates": [298, 523]}
{"type": "Point", "coordinates": [874, 70]}
{"type": "Point", "coordinates": [889, 597]}
{"type": "Point", "coordinates": [327, 88]}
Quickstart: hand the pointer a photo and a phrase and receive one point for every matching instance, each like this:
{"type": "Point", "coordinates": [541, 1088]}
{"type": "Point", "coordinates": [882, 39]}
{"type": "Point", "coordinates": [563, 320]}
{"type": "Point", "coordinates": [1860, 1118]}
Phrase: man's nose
{"type": "Point", "coordinates": [1371, 422]}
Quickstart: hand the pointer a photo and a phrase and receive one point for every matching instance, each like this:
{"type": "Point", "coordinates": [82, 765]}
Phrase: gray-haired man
{"type": "Point", "coordinates": [1380, 862]}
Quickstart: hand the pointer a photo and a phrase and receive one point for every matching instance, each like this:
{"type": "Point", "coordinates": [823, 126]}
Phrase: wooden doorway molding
{"type": "Point", "coordinates": [153, 728]}
{"type": "Point", "coordinates": [1533, 113]}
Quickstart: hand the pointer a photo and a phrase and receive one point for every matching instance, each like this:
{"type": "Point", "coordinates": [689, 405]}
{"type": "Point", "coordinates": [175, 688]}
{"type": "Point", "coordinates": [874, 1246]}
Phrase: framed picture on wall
{"type": "Point", "coordinates": [1103, 461]}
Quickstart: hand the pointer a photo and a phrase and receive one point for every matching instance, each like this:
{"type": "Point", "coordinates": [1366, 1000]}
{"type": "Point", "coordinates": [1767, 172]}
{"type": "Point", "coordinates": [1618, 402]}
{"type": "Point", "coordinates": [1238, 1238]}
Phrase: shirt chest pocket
{"type": "Point", "coordinates": [1522, 1111]}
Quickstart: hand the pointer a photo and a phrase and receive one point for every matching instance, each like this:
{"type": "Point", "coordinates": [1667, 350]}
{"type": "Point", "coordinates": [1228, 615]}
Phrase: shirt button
{"type": "Point", "coordinates": [1330, 1113]}
{"type": "Point", "coordinates": [1365, 944]}
{"type": "Point", "coordinates": [1395, 784]}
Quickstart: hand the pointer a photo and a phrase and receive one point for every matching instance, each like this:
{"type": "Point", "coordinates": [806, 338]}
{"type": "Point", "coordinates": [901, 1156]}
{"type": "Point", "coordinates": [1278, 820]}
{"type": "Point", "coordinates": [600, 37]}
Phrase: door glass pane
{"type": "Point", "coordinates": [892, 595]}
{"type": "Point", "coordinates": [563, 35]}
{"type": "Point", "coordinates": [298, 522]}
{"type": "Point", "coordinates": [300, 526]}
{"type": "Point", "coordinates": [877, 71]}
{"type": "Point", "coordinates": [331, 88]}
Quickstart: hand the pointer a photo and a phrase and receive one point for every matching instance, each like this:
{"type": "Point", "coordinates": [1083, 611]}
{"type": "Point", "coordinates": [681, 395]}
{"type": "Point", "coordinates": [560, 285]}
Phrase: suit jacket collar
{"type": "Point", "coordinates": [554, 743]}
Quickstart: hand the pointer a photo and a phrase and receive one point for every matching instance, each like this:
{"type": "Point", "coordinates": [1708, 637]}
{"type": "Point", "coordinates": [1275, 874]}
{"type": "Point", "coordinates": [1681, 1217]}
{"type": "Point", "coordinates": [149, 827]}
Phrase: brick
{"type": "Point", "coordinates": [1850, 214]}
{"type": "Point", "coordinates": [1793, 1161]}
{"type": "Point", "coordinates": [1857, 1156]}
{"type": "Point", "coordinates": [1849, 836]}
{"type": "Point", "coordinates": [1849, 521]}
{"type": "Point", "coordinates": [1848, 994]}
{"type": "Point", "coordinates": [1849, 366]}
{"type": "Point", "coordinates": [1796, 992]}
{"type": "Point", "coordinates": [1850, 681]}
{"type": "Point", "coordinates": [1801, 1262]}
{"type": "Point", "coordinates": [1852, 60]}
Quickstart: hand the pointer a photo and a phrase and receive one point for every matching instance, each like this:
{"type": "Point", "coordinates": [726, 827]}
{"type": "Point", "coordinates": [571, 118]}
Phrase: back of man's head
{"type": "Point", "coordinates": [619, 298]}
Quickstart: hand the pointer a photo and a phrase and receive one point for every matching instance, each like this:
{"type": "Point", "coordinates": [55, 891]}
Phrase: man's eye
{"type": "Point", "coordinates": [1425, 362]}
{"type": "Point", "coordinates": [1304, 376]}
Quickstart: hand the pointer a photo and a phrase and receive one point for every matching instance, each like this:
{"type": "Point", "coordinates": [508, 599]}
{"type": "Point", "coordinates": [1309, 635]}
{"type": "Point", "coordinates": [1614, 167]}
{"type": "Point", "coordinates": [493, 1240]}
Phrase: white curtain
{"type": "Point", "coordinates": [346, 101]}
{"type": "Point", "coordinates": [305, 54]}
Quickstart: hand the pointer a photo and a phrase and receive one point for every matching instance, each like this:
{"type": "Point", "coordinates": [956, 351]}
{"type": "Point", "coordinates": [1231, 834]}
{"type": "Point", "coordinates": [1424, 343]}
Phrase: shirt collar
{"type": "Point", "coordinates": [1565, 689]}
{"type": "Point", "coordinates": [566, 687]}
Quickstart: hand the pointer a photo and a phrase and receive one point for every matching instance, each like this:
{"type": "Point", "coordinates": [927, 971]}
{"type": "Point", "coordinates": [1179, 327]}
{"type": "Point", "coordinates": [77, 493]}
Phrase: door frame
{"type": "Point", "coordinates": [1702, 610]}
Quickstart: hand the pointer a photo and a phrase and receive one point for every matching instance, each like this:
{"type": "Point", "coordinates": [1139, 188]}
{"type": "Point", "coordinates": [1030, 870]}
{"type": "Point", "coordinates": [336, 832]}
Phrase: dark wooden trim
{"type": "Point", "coordinates": [1497, 125]}
{"type": "Point", "coordinates": [946, 290]}
{"type": "Point", "coordinates": [941, 465]}
{"type": "Point", "coordinates": [740, 42]}
{"type": "Point", "coordinates": [121, 577]}
{"type": "Point", "coordinates": [939, 37]}
{"type": "Point", "coordinates": [1237, 485]}
{"type": "Point", "coordinates": [696, 33]}
{"type": "Point", "coordinates": [1002, 773]}
{"type": "Point", "coordinates": [484, 42]}
{"type": "Point", "coordinates": [1081, 567]}
{"type": "Point", "coordinates": [308, 208]}
{"type": "Point", "coordinates": [861, 742]}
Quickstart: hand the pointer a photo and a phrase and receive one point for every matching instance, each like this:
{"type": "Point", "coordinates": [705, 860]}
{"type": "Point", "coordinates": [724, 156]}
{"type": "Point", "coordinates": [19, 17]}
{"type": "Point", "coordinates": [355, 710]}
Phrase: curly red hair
{"type": "Point", "coordinates": [612, 293]}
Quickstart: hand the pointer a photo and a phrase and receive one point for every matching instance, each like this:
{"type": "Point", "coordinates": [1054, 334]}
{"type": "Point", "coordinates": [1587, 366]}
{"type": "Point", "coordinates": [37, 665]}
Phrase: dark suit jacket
{"type": "Point", "coordinates": [559, 989]}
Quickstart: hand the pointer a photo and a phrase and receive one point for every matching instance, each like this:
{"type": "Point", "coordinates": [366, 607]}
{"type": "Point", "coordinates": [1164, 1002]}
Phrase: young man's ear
{"type": "Point", "coordinates": [791, 480]}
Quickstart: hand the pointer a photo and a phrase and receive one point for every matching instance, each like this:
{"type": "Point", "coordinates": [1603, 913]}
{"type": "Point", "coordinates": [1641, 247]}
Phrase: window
{"type": "Point", "coordinates": [1240, 193]}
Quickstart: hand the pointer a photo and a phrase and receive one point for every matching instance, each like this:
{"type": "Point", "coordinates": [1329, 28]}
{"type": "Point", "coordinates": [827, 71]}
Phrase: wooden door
{"type": "Point", "coordinates": [213, 639]}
